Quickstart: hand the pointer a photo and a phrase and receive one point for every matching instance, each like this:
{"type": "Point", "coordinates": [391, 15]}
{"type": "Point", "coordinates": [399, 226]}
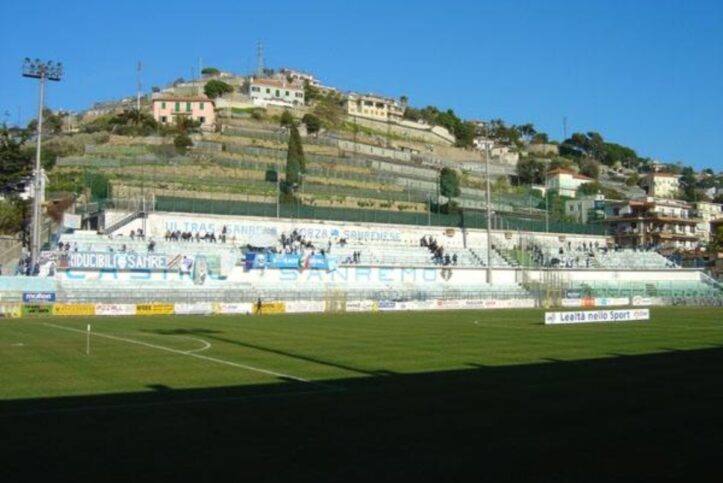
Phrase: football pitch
{"type": "Point", "coordinates": [433, 396]}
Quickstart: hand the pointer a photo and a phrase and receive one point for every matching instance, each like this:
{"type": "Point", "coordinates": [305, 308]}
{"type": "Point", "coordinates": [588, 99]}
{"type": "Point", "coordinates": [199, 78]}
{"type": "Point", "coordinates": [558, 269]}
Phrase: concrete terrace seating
{"type": "Point", "coordinates": [103, 243]}
{"type": "Point", "coordinates": [636, 259]}
{"type": "Point", "coordinates": [665, 289]}
{"type": "Point", "coordinates": [147, 291]}
{"type": "Point", "coordinates": [12, 287]}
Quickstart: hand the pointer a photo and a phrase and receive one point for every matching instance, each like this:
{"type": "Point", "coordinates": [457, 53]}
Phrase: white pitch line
{"type": "Point", "coordinates": [189, 354]}
{"type": "Point", "coordinates": [206, 345]}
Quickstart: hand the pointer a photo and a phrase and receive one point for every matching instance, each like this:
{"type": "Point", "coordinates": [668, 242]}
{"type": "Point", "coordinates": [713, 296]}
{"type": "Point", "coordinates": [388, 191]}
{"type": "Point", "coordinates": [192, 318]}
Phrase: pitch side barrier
{"type": "Point", "coordinates": [15, 310]}
{"type": "Point", "coordinates": [264, 308]}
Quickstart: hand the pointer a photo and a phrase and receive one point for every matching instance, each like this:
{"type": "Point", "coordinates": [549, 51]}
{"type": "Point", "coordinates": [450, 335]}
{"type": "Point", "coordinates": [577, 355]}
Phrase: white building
{"type": "Point", "coordinates": [374, 107]}
{"type": "Point", "coordinates": [661, 185]}
{"type": "Point", "coordinates": [276, 92]}
{"type": "Point", "coordinates": [654, 222]}
{"type": "Point", "coordinates": [706, 213]}
{"type": "Point", "coordinates": [586, 208]}
{"type": "Point", "coordinates": [300, 77]}
{"type": "Point", "coordinates": [565, 182]}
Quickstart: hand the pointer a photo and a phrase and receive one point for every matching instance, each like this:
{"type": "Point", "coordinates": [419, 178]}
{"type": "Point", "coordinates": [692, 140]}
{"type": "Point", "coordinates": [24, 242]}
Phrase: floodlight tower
{"type": "Point", "coordinates": [42, 71]}
{"type": "Point", "coordinates": [488, 209]}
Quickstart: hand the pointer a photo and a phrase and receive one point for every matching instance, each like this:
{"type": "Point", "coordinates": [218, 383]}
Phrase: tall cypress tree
{"type": "Point", "coordinates": [298, 147]}
{"type": "Point", "coordinates": [294, 157]}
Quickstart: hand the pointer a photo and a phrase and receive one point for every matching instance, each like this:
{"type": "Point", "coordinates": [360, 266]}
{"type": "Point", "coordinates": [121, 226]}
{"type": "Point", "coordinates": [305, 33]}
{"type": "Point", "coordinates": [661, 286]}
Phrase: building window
{"type": "Point", "coordinates": [287, 94]}
{"type": "Point", "coordinates": [163, 105]}
{"type": "Point", "coordinates": [163, 119]}
{"type": "Point", "coordinates": [188, 107]}
{"type": "Point", "coordinates": [202, 119]}
{"type": "Point", "coordinates": [268, 91]}
{"type": "Point", "coordinates": [200, 105]}
{"type": "Point", "coordinates": [178, 106]}
{"type": "Point", "coordinates": [277, 93]}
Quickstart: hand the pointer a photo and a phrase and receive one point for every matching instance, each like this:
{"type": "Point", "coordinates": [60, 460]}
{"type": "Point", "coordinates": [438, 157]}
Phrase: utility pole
{"type": "Point", "coordinates": [564, 127]}
{"type": "Point", "coordinates": [42, 71]}
{"type": "Point", "coordinates": [547, 208]}
{"type": "Point", "coordinates": [138, 87]}
{"type": "Point", "coordinates": [259, 60]}
{"type": "Point", "coordinates": [489, 212]}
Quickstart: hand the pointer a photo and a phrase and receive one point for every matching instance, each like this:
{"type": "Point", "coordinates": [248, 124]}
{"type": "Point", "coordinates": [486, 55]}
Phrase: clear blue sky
{"type": "Point", "coordinates": [645, 73]}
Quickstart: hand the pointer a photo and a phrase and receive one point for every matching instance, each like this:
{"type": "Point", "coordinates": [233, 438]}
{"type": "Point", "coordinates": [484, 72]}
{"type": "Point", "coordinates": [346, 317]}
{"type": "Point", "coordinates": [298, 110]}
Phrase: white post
{"type": "Point", "coordinates": [87, 341]}
{"type": "Point", "coordinates": [38, 196]}
{"type": "Point", "coordinates": [489, 213]}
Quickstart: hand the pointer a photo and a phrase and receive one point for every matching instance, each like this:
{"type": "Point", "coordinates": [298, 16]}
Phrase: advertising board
{"type": "Point", "coordinates": [199, 308]}
{"type": "Point", "coordinates": [362, 306]}
{"type": "Point", "coordinates": [38, 297]}
{"type": "Point", "coordinates": [592, 316]}
{"type": "Point", "coordinates": [115, 309]}
{"type": "Point", "coordinates": [38, 309]}
{"type": "Point", "coordinates": [305, 306]}
{"type": "Point", "coordinates": [11, 311]}
{"type": "Point", "coordinates": [270, 308]}
{"type": "Point", "coordinates": [74, 309]}
{"type": "Point", "coordinates": [154, 309]}
{"type": "Point", "coordinates": [233, 308]}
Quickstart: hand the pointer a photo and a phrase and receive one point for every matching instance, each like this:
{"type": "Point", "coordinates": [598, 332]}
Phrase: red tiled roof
{"type": "Point", "coordinates": [182, 99]}
{"type": "Point", "coordinates": [574, 174]}
{"type": "Point", "coordinates": [276, 83]}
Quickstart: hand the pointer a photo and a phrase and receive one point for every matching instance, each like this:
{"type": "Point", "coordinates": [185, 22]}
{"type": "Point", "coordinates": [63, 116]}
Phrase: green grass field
{"type": "Point", "coordinates": [438, 396]}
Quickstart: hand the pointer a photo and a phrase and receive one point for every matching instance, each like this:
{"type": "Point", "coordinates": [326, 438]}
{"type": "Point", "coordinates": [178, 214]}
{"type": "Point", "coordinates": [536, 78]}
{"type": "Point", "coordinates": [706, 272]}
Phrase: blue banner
{"type": "Point", "coordinates": [114, 261]}
{"type": "Point", "coordinates": [285, 261]}
{"type": "Point", "coordinates": [38, 297]}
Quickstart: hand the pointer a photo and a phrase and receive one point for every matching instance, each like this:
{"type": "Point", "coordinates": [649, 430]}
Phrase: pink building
{"type": "Point", "coordinates": [166, 109]}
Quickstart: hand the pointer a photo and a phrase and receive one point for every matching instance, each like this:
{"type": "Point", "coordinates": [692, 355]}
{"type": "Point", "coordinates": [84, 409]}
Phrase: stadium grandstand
{"type": "Point", "coordinates": [174, 257]}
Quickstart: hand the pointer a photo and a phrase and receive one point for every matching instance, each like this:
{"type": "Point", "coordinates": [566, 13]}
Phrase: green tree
{"type": "Point", "coordinates": [133, 122]}
{"type": "Point", "coordinates": [530, 171]}
{"type": "Point", "coordinates": [15, 161]}
{"type": "Point", "coordinates": [449, 187]}
{"type": "Point", "coordinates": [539, 138]}
{"type": "Point", "coordinates": [311, 93]}
{"type": "Point", "coordinates": [210, 71]}
{"type": "Point", "coordinates": [313, 123]}
{"type": "Point", "coordinates": [633, 180]}
{"type": "Point", "coordinates": [527, 131]}
{"type": "Point", "coordinates": [182, 141]}
{"type": "Point", "coordinates": [716, 240]}
{"type": "Point", "coordinates": [216, 88]}
{"type": "Point", "coordinates": [52, 122]}
{"type": "Point", "coordinates": [295, 163]}
{"type": "Point", "coordinates": [590, 167]}
{"type": "Point", "coordinates": [449, 183]}
{"type": "Point", "coordinates": [687, 184]}
{"type": "Point", "coordinates": [287, 119]}
{"type": "Point", "coordinates": [12, 216]}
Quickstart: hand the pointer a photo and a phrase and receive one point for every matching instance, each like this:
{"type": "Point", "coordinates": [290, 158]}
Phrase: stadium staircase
{"type": "Point", "coordinates": [123, 222]}
{"type": "Point", "coordinates": [509, 256]}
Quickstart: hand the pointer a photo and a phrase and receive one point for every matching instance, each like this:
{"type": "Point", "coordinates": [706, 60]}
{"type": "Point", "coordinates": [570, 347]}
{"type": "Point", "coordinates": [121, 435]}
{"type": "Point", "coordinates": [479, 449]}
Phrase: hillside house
{"type": "Point", "coordinates": [374, 107]}
{"type": "Point", "coordinates": [276, 92]}
{"type": "Point", "coordinates": [661, 185]}
{"type": "Point", "coordinates": [166, 109]}
{"type": "Point", "coordinates": [565, 182]}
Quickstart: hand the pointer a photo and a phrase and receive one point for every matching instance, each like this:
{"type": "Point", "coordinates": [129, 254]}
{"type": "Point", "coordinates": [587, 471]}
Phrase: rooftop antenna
{"type": "Point", "coordinates": [138, 86]}
{"type": "Point", "coordinates": [259, 59]}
